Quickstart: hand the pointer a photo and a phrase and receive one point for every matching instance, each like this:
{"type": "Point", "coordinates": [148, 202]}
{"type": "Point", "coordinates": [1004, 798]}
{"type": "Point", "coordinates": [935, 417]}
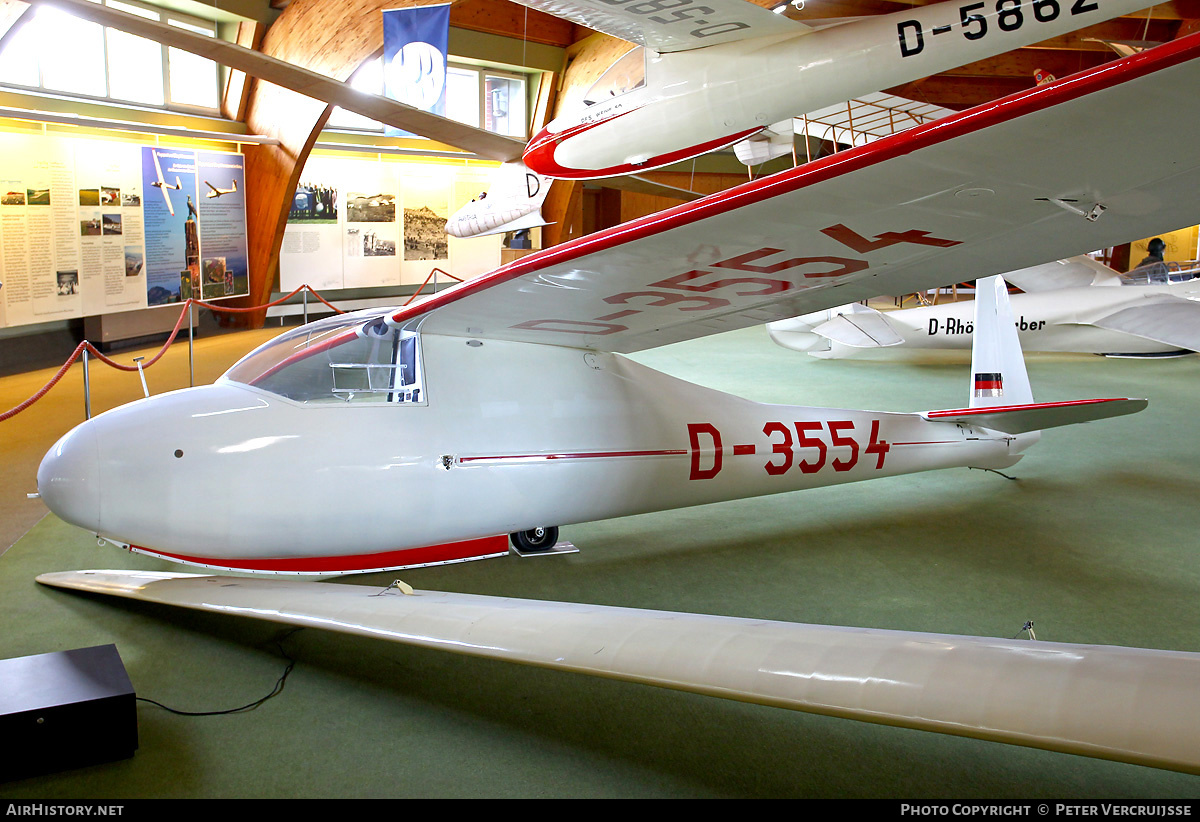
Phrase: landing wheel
{"type": "Point", "coordinates": [539, 539]}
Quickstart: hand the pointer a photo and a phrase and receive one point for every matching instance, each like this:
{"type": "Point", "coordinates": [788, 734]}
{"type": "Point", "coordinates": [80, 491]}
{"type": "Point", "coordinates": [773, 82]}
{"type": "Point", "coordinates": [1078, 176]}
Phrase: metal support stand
{"type": "Point", "coordinates": [305, 292]}
{"type": "Point", "coordinates": [142, 374]}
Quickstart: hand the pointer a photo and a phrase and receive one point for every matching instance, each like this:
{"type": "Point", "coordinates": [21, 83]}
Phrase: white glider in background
{"type": "Point", "coordinates": [396, 437]}
{"type": "Point", "coordinates": [512, 202]}
{"type": "Point", "coordinates": [711, 73]}
{"type": "Point", "coordinates": [1152, 310]}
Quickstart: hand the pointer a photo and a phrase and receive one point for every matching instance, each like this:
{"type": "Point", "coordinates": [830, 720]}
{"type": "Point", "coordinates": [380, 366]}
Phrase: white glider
{"type": "Point", "coordinates": [711, 73]}
{"type": "Point", "coordinates": [162, 185]}
{"type": "Point", "coordinates": [512, 202]}
{"type": "Point", "coordinates": [392, 438]}
{"type": "Point", "coordinates": [219, 192]}
{"type": "Point", "coordinates": [1152, 310]}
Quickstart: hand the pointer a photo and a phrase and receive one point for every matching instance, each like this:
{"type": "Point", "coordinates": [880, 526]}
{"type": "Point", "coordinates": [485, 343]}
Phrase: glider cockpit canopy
{"type": "Point", "coordinates": [627, 74]}
{"type": "Point", "coordinates": [1162, 273]}
{"type": "Point", "coordinates": [355, 357]}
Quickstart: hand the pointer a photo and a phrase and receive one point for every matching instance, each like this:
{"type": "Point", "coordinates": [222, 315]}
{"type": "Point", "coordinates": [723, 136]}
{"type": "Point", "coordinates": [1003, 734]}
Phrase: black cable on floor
{"type": "Point", "coordinates": [278, 689]}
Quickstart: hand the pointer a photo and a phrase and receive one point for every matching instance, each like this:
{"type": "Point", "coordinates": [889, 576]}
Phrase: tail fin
{"type": "Point", "coordinates": [998, 375]}
{"type": "Point", "coordinates": [1001, 398]}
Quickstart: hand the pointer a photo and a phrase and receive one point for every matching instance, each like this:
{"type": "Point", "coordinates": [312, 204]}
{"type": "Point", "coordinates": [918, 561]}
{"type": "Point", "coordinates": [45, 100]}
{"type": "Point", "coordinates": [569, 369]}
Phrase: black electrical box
{"type": "Point", "coordinates": [65, 710]}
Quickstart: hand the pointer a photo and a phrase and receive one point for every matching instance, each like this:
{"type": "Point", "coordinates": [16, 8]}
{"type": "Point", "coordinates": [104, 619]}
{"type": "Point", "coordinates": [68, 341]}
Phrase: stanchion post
{"type": "Point", "coordinates": [87, 388]}
{"type": "Point", "coordinates": [191, 344]}
{"type": "Point", "coordinates": [142, 374]}
{"type": "Point", "coordinates": [306, 305]}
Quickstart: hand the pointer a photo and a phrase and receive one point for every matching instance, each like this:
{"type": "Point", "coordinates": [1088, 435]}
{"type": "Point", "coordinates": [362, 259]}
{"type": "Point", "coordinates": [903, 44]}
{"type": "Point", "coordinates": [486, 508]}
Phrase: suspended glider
{"type": "Point", "coordinates": [711, 73]}
{"type": "Point", "coordinates": [512, 202]}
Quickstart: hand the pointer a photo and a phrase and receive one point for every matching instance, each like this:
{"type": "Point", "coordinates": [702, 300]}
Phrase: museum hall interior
{"type": "Point", "coordinates": [601, 399]}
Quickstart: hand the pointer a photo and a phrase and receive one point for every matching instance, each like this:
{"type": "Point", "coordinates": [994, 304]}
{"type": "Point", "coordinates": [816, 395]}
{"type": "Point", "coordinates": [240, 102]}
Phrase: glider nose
{"type": "Point", "coordinates": [68, 479]}
{"type": "Point", "coordinates": [539, 154]}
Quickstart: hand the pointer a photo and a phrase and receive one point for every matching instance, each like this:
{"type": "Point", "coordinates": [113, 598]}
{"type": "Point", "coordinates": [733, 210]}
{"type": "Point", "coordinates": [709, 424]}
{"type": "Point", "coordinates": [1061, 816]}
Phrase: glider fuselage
{"type": "Point", "coordinates": [703, 99]}
{"type": "Point", "coordinates": [1062, 320]}
{"type": "Point", "coordinates": [509, 437]}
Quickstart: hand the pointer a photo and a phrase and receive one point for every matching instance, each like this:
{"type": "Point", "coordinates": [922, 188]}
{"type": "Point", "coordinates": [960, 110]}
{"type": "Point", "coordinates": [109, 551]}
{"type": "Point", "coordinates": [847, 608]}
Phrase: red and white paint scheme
{"type": "Point", "coordinates": [512, 202]}
{"type": "Point", "coordinates": [504, 405]}
{"type": "Point", "coordinates": [710, 73]}
{"type": "Point", "coordinates": [1153, 310]}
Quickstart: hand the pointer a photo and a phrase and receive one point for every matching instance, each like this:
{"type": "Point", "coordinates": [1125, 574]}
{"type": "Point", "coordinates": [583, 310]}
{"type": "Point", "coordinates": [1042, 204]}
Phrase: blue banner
{"type": "Point", "coordinates": [415, 41]}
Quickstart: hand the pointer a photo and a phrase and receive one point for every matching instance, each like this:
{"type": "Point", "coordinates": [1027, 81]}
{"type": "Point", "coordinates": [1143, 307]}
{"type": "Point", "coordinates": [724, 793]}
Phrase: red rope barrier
{"type": "Point", "coordinates": [12, 412]}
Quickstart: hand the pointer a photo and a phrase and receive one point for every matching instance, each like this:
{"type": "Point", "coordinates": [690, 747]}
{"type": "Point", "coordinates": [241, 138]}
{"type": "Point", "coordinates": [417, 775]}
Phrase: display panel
{"type": "Point", "coordinates": [91, 226]}
{"type": "Point", "coordinates": [358, 223]}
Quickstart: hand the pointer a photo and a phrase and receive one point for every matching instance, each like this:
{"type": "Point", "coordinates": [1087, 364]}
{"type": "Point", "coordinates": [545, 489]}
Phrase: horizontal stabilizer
{"type": "Point", "coordinates": [1075, 272]}
{"type": "Point", "coordinates": [860, 329]}
{"type": "Point", "coordinates": [773, 141]}
{"type": "Point", "coordinates": [1020, 419]}
{"type": "Point", "coordinates": [1171, 321]}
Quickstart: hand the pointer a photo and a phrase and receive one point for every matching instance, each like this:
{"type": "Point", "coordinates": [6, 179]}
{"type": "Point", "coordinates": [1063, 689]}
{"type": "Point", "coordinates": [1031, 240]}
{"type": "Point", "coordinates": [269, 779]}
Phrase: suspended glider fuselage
{"type": "Point", "coordinates": [703, 99]}
{"type": "Point", "coordinates": [228, 472]}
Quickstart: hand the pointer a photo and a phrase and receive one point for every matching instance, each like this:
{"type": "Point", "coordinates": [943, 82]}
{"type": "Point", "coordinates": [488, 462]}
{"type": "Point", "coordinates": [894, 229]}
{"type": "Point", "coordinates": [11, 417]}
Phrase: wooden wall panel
{"type": "Point", "coordinates": [586, 61]}
{"type": "Point", "coordinates": [334, 39]}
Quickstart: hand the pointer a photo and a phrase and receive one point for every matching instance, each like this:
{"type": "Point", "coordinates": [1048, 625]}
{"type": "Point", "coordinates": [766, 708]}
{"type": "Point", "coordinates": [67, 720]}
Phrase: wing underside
{"type": "Point", "coordinates": [675, 26]}
{"type": "Point", "coordinates": [956, 199]}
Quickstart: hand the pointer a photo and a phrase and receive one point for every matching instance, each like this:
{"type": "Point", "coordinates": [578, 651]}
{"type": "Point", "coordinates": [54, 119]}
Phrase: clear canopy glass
{"type": "Point", "coordinates": [354, 357]}
{"type": "Point", "coordinates": [624, 75]}
{"type": "Point", "coordinates": [1162, 273]}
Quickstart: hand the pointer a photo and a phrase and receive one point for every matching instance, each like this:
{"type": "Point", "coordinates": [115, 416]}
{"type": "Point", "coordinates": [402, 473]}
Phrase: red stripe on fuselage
{"type": "Point", "coordinates": [351, 563]}
{"type": "Point", "coordinates": [539, 155]}
{"type": "Point", "coordinates": [1000, 409]}
{"type": "Point", "coordinates": [577, 455]}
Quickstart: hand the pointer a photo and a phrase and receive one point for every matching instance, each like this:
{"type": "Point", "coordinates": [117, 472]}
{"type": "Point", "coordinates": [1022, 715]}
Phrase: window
{"type": "Point", "coordinates": [483, 98]}
{"type": "Point", "coordinates": [59, 53]}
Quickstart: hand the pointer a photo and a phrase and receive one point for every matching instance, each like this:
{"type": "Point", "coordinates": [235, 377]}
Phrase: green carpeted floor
{"type": "Point", "coordinates": [1098, 542]}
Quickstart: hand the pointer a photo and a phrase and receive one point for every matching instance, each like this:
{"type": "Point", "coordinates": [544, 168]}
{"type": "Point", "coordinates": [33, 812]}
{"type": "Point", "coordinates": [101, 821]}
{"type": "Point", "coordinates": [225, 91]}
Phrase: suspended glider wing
{"type": "Point", "coordinates": [673, 26]}
{"type": "Point", "coordinates": [1168, 320]}
{"type": "Point", "coordinates": [899, 215]}
{"type": "Point", "coordinates": [1125, 704]}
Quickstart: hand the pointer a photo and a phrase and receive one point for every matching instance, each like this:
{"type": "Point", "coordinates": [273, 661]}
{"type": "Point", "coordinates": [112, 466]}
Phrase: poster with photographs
{"type": "Point", "coordinates": [311, 253]}
{"type": "Point", "coordinates": [107, 178]}
{"type": "Point", "coordinates": [389, 223]}
{"type": "Point", "coordinates": [39, 229]}
{"type": "Point", "coordinates": [371, 231]}
{"type": "Point", "coordinates": [224, 255]}
{"type": "Point", "coordinates": [426, 209]}
{"type": "Point", "coordinates": [91, 226]}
